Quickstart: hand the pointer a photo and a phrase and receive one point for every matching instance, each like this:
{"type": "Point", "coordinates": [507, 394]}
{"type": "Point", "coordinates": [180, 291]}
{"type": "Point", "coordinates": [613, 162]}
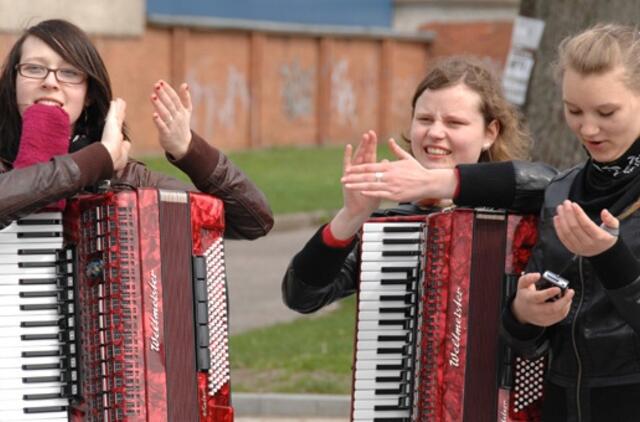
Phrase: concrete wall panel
{"type": "Point", "coordinates": [217, 71]}
{"type": "Point", "coordinates": [354, 75]}
{"type": "Point", "coordinates": [289, 75]}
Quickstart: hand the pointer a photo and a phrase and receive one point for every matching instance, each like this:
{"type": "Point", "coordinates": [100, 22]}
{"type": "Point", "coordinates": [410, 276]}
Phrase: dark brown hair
{"type": "Point", "coordinates": [75, 47]}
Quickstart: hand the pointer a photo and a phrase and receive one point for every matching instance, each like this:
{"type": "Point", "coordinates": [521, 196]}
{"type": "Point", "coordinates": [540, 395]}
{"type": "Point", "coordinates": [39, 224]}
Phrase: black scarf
{"type": "Point", "coordinates": [612, 185]}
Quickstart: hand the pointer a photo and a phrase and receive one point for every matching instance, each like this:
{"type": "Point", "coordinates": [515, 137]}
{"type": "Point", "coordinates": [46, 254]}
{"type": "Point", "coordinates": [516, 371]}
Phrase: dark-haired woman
{"type": "Point", "coordinates": [61, 132]}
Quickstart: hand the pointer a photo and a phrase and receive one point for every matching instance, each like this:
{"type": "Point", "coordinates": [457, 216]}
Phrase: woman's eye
{"type": "Point", "coordinates": [575, 112]}
{"type": "Point", "coordinates": [606, 114]}
{"type": "Point", "coordinates": [70, 72]}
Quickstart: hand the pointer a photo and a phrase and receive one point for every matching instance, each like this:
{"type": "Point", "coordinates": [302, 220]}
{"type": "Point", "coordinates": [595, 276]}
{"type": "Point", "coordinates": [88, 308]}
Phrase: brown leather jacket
{"type": "Point", "coordinates": [25, 190]}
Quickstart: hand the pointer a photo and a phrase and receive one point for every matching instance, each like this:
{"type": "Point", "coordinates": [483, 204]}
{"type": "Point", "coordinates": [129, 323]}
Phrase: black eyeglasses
{"type": "Point", "coordinates": [63, 75]}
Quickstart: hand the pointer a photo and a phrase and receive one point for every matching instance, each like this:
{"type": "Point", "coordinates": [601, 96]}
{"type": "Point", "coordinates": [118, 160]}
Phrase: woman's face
{"type": "Point", "coordinates": [448, 128]}
{"type": "Point", "coordinates": [48, 91]}
{"type": "Point", "coordinates": [602, 111]}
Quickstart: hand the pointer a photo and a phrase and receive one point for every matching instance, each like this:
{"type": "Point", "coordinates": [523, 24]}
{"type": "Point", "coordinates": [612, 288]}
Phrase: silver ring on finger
{"type": "Point", "coordinates": [378, 175]}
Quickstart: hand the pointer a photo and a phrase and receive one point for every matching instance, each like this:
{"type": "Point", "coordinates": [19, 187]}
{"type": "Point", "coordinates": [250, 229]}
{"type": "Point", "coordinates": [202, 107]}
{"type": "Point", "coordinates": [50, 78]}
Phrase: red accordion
{"type": "Point", "coordinates": [152, 319]}
{"type": "Point", "coordinates": [430, 296]}
{"type": "Point", "coordinates": [127, 321]}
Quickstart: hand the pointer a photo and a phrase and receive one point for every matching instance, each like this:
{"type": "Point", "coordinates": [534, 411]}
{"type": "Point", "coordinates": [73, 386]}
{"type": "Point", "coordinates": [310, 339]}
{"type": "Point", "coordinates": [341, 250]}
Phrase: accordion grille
{"type": "Point", "coordinates": [217, 317]}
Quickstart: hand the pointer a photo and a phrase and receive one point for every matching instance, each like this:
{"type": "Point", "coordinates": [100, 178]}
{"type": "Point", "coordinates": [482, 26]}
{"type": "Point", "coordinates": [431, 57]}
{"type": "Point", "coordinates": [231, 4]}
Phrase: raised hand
{"type": "Point", "coordinates": [356, 207]}
{"type": "Point", "coordinates": [112, 137]}
{"type": "Point", "coordinates": [401, 180]}
{"type": "Point", "coordinates": [580, 234]}
{"type": "Point", "coordinates": [172, 117]}
{"type": "Point", "coordinates": [531, 306]}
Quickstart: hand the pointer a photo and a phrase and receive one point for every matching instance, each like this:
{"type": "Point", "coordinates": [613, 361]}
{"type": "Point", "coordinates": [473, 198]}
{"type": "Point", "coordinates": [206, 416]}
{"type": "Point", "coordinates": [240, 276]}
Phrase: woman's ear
{"type": "Point", "coordinates": [491, 134]}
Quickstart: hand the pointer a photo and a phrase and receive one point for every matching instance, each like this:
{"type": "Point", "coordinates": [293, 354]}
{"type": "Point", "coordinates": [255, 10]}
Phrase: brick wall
{"type": "Point", "coordinates": [488, 40]}
{"type": "Point", "coordinates": [254, 89]}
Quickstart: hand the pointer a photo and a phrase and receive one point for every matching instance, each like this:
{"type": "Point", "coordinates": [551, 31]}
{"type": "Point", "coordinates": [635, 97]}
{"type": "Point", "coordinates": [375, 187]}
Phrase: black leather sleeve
{"type": "Point", "coordinates": [319, 275]}
{"type": "Point", "coordinates": [514, 185]}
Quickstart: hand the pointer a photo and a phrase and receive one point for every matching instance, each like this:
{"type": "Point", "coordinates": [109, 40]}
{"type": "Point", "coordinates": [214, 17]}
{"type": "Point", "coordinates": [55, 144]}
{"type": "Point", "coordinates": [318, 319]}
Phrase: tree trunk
{"type": "Point", "coordinates": [554, 142]}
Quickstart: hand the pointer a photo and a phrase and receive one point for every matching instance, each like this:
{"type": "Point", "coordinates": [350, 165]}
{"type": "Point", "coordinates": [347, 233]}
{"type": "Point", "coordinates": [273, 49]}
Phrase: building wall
{"type": "Point", "coordinates": [325, 12]}
{"type": "Point", "coordinates": [487, 40]}
{"type": "Point", "coordinates": [254, 89]}
{"type": "Point", "coordinates": [411, 15]}
{"type": "Point", "coordinates": [113, 17]}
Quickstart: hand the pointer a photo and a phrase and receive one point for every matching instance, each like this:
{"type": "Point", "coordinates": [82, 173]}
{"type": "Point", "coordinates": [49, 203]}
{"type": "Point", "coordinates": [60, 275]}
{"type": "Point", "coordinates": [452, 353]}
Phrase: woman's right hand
{"type": "Point", "coordinates": [532, 306]}
{"type": "Point", "coordinates": [112, 137]}
{"type": "Point", "coordinates": [356, 207]}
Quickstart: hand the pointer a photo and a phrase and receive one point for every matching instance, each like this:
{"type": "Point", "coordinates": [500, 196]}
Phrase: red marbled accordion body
{"type": "Point", "coordinates": [469, 264]}
{"type": "Point", "coordinates": [139, 254]}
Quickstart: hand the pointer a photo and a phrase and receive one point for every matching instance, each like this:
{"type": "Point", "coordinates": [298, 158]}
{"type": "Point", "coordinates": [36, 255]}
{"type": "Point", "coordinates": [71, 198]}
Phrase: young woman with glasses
{"type": "Point", "coordinates": [61, 132]}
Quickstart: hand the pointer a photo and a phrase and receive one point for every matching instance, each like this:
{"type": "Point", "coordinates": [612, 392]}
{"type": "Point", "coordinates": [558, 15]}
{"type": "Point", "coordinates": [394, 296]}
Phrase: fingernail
{"type": "Point", "coordinates": [154, 97]}
{"type": "Point", "coordinates": [161, 83]}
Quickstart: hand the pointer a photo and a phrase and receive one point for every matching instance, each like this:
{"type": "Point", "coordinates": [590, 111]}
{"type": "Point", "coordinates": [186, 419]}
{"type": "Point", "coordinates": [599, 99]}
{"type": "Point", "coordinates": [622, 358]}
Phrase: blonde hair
{"type": "Point", "coordinates": [513, 140]}
{"type": "Point", "coordinates": [600, 49]}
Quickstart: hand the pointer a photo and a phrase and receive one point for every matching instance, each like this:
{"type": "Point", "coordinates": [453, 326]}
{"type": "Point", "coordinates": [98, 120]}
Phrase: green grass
{"type": "Point", "coordinates": [309, 355]}
{"type": "Point", "coordinates": [293, 179]}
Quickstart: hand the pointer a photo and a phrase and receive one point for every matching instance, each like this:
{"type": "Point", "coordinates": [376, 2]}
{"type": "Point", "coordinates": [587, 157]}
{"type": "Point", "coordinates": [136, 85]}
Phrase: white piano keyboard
{"type": "Point", "coordinates": [34, 349]}
{"type": "Point", "coordinates": [387, 317]}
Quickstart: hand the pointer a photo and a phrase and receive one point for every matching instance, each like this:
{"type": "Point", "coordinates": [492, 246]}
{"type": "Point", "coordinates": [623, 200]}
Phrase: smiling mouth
{"type": "Point", "coordinates": [436, 151]}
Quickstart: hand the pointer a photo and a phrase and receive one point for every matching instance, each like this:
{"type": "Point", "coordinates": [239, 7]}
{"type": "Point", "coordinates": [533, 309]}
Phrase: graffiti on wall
{"type": "Point", "coordinates": [343, 97]}
{"type": "Point", "coordinates": [217, 105]}
{"type": "Point", "coordinates": [297, 90]}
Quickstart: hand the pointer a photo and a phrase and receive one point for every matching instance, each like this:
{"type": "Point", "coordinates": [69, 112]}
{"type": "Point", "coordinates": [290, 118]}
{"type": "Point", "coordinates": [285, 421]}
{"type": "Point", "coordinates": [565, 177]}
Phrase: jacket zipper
{"type": "Point", "coordinates": [574, 343]}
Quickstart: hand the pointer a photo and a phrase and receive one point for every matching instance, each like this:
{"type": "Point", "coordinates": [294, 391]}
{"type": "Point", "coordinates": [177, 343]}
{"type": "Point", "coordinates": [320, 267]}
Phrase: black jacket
{"type": "Point", "coordinates": [598, 344]}
{"type": "Point", "coordinates": [319, 274]}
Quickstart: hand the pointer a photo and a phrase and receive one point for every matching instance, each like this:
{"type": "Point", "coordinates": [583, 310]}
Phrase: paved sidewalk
{"type": "Point", "coordinates": [255, 269]}
{"type": "Point", "coordinates": [271, 405]}
{"type": "Point", "coordinates": [254, 273]}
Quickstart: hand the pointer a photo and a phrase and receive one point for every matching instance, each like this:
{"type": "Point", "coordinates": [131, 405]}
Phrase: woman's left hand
{"type": "Point", "coordinates": [172, 117]}
{"type": "Point", "coordinates": [580, 234]}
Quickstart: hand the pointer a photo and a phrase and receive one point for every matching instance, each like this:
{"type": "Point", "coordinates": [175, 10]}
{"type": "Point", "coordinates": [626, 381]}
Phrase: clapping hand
{"type": "Point", "coordinates": [112, 137]}
{"type": "Point", "coordinates": [172, 117]}
{"type": "Point", "coordinates": [357, 207]}
{"type": "Point", "coordinates": [402, 180]}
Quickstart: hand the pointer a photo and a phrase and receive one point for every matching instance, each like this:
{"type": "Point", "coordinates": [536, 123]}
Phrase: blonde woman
{"type": "Point", "coordinates": [593, 331]}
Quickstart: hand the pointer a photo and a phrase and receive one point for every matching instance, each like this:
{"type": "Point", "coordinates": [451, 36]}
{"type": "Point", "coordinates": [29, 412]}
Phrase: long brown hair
{"type": "Point", "coordinates": [513, 140]}
{"type": "Point", "coordinates": [75, 47]}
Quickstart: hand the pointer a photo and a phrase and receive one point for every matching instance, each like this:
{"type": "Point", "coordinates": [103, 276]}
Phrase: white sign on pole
{"type": "Point", "coordinates": [525, 40]}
